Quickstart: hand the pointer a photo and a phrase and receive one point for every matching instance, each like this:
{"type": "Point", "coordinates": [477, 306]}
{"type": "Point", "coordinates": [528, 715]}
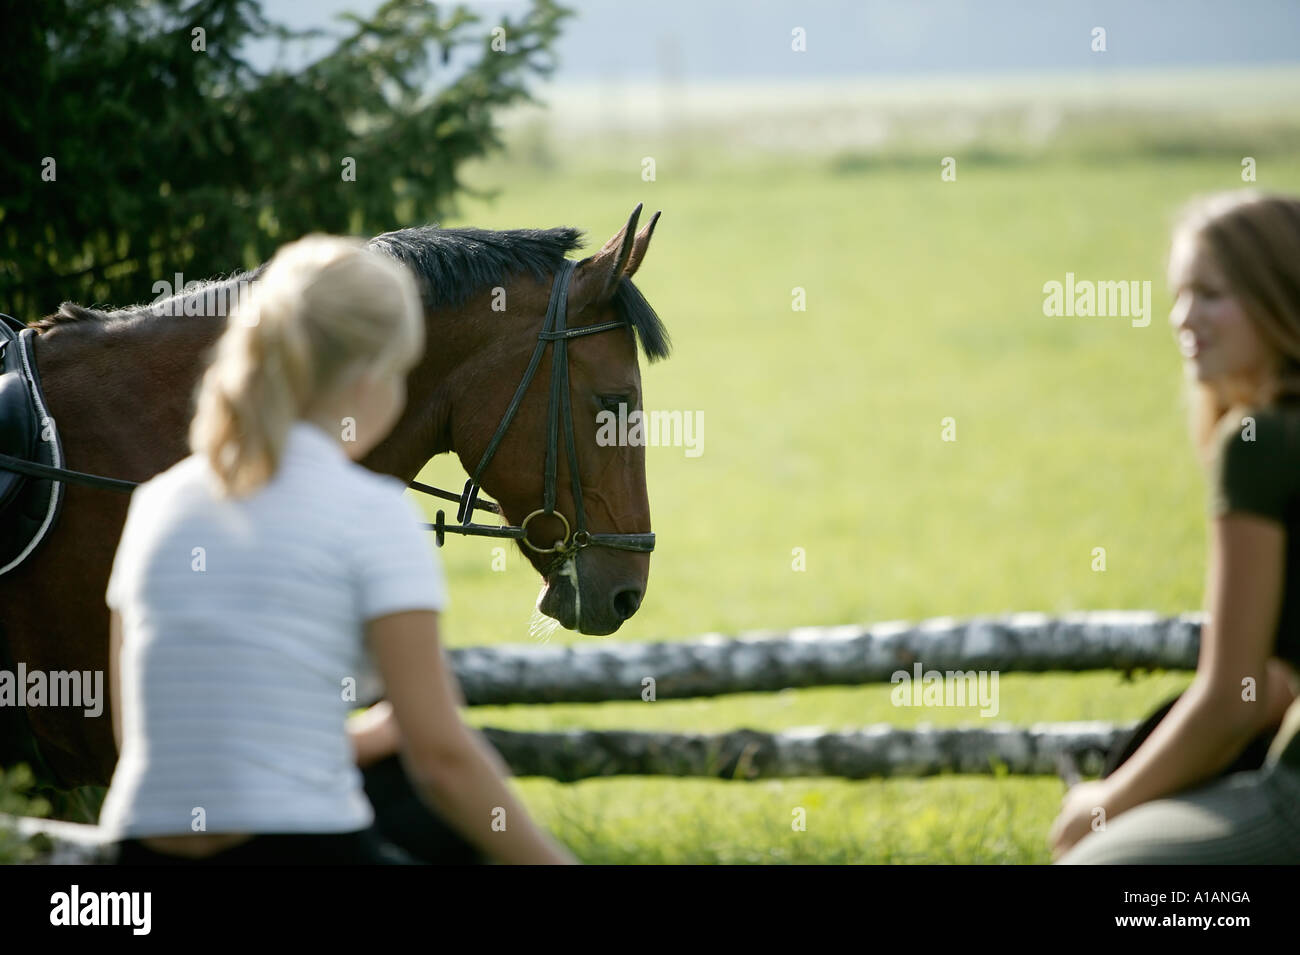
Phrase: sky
{"type": "Point", "coordinates": [737, 40]}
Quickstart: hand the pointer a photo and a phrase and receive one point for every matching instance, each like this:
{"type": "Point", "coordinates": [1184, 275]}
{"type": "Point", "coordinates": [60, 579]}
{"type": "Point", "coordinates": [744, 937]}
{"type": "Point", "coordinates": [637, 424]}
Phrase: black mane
{"type": "Point", "coordinates": [454, 264]}
{"type": "Point", "coordinates": [451, 265]}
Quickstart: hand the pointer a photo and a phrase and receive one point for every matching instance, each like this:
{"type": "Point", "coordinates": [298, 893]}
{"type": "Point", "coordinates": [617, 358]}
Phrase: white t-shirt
{"type": "Point", "coordinates": [243, 625]}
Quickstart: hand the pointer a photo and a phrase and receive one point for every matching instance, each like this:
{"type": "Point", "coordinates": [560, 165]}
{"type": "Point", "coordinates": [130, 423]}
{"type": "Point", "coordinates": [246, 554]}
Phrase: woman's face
{"type": "Point", "coordinates": [380, 399]}
{"type": "Point", "coordinates": [364, 409]}
{"type": "Point", "coordinates": [1218, 341]}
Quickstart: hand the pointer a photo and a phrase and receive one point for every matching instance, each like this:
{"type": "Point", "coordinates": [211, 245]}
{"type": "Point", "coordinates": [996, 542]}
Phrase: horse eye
{"type": "Point", "coordinates": [611, 402]}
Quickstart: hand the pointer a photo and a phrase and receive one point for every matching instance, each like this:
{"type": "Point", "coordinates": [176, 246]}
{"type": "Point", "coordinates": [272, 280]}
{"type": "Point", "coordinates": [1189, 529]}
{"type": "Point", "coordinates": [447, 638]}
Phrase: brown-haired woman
{"type": "Point", "coordinates": [1235, 271]}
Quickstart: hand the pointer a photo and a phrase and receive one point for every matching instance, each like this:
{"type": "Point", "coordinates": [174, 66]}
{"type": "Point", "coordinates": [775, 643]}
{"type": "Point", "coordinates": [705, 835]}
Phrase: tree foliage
{"type": "Point", "coordinates": [140, 141]}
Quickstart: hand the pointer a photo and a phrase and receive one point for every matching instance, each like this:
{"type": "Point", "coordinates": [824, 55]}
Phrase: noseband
{"type": "Point", "coordinates": [560, 413]}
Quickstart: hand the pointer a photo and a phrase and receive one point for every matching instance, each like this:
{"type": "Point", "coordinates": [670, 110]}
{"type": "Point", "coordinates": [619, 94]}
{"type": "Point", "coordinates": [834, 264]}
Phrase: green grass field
{"type": "Point", "coordinates": [822, 431]}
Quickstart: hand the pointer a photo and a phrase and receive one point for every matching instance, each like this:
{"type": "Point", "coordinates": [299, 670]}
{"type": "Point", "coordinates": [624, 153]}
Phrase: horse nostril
{"type": "Point", "coordinates": [626, 603]}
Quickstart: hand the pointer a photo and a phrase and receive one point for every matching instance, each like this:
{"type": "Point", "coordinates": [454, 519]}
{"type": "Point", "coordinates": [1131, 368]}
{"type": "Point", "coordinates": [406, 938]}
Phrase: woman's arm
{"type": "Point", "coordinates": [1217, 717]}
{"type": "Point", "coordinates": [115, 675]}
{"type": "Point", "coordinates": [456, 771]}
{"type": "Point", "coordinates": [1282, 691]}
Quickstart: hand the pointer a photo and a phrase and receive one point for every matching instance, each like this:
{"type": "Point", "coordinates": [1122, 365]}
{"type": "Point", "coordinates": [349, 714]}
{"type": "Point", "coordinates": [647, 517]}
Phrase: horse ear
{"type": "Point", "coordinates": [597, 275]}
{"type": "Point", "coordinates": [640, 245]}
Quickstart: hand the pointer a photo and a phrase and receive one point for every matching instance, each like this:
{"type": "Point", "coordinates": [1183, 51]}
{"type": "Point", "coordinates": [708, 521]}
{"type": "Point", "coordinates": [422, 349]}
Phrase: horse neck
{"type": "Point", "coordinates": [464, 347]}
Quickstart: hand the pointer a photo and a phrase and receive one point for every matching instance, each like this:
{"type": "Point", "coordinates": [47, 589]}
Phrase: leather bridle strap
{"type": "Point", "coordinates": [559, 414]}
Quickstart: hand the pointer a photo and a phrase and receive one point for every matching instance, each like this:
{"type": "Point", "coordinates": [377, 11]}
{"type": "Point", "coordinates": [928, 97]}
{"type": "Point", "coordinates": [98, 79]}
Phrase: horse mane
{"type": "Point", "coordinates": [454, 264]}
{"type": "Point", "coordinates": [450, 266]}
{"type": "Point", "coordinates": [71, 312]}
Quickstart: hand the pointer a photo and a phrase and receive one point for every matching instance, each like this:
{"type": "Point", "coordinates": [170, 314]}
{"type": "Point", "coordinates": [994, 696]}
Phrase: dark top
{"type": "Point", "coordinates": [1257, 471]}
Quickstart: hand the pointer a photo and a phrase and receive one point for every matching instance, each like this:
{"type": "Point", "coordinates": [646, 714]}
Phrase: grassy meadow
{"type": "Point", "coordinates": [822, 431]}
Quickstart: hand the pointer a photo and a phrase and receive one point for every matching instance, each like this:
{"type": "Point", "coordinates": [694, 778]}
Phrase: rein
{"type": "Point", "coordinates": [559, 418]}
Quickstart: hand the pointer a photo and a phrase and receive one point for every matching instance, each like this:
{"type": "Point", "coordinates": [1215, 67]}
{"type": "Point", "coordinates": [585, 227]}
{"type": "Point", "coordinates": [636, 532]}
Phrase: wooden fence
{"type": "Point", "coordinates": [766, 660]}
{"type": "Point", "coordinates": [762, 661]}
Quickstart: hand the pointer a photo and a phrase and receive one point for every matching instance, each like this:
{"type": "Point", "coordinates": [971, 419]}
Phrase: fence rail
{"type": "Point", "coordinates": [764, 661]}
{"type": "Point", "coordinates": [876, 751]}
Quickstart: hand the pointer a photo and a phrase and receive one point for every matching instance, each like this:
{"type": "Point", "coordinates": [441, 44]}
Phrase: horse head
{"type": "Point", "coordinates": [492, 388]}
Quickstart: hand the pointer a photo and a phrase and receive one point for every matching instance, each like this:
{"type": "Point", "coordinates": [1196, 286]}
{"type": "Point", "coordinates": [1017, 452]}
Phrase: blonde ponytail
{"type": "Point", "coordinates": [324, 309]}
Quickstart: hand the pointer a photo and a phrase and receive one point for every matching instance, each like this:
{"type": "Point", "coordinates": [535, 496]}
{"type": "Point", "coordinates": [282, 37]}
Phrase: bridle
{"type": "Point", "coordinates": [559, 415]}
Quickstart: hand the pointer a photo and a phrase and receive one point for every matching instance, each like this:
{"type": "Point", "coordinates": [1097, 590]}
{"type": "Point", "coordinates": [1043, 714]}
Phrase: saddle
{"type": "Point", "coordinates": [29, 506]}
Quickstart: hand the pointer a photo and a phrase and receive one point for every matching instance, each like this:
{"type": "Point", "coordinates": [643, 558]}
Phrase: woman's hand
{"type": "Point", "coordinates": [1082, 804]}
{"type": "Point", "coordinates": [374, 734]}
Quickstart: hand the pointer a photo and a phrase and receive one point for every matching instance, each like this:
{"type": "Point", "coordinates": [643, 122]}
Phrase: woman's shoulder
{"type": "Point", "coordinates": [313, 459]}
{"type": "Point", "coordinates": [1273, 428]}
{"type": "Point", "coordinates": [396, 563]}
{"type": "Point", "coordinates": [375, 500]}
{"type": "Point", "coordinates": [372, 483]}
{"type": "Point", "coordinates": [184, 478]}
{"type": "Point", "coordinates": [1256, 461]}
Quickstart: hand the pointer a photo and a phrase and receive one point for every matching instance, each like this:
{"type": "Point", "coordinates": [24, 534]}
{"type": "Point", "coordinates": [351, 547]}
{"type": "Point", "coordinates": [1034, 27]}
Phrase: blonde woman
{"type": "Point", "coordinates": [1235, 271]}
{"type": "Point", "coordinates": [256, 581]}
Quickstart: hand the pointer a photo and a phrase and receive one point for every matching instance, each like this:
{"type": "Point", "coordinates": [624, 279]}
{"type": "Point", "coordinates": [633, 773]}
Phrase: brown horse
{"type": "Point", "coordinates": [119, 385]}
